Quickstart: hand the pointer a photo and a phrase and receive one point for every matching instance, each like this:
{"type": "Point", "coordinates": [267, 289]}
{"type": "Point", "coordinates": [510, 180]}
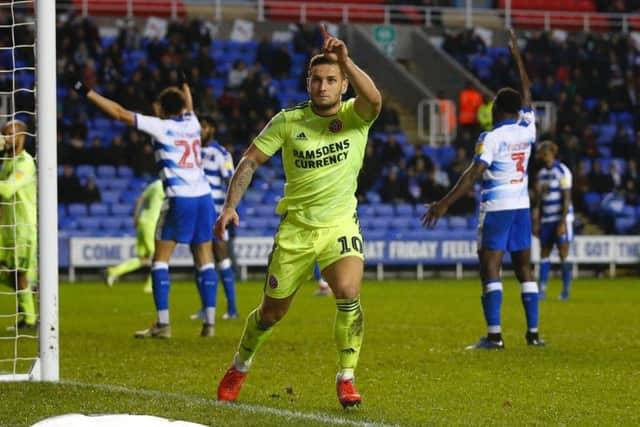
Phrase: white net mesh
{"type": "Point", "coordinates": [18, 232]}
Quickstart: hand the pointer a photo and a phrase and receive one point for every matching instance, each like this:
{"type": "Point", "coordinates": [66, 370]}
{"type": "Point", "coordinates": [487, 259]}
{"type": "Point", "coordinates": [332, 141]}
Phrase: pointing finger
{"type": "Point", "coordinates": [325, 33]}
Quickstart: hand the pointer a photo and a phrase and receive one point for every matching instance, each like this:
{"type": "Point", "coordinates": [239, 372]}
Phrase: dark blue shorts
{"type": "Point", "coordinates": [186, 220]}
{"type": "Point", "coordinates": [507, 231]}
{"type": "Point", "coordinates": [549, 237]}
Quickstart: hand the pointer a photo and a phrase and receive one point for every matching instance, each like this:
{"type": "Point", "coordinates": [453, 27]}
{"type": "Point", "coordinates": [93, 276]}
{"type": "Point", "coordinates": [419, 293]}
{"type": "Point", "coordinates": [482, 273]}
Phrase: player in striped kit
{"type": "Point", "coordinates": [187, 213]}
{"type": "Point", "coordinates": [502, 156]}
{"type": "Point", "coordinates": [554, 218]}
{"type": "Point", "coordinates": [218, 168]}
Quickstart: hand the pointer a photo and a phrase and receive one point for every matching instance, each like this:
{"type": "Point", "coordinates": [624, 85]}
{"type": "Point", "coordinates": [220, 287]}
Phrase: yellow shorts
{"type": "Point", "coordinates": [21, 256]}
{"type": "Point", "coordinates": [296, 248]}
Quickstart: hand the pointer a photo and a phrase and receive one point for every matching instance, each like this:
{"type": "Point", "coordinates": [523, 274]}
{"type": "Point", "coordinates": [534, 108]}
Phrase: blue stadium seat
{"type": "Point", "coordinates": [605, 151]}
{"type": "Point", "coordinates": [265, 211]}
{"type": "Point", "coordinates": [62, 210]}
{"type": "Point", "coordinates": [106, 171]}
{"type": "Point", "coordinates": [89, 223]}
{"type": "Point", "coordinates": [110, 196]}
{"type": "Point", "coordinates": [77, 210]}
{"type": "Point", "coordinates": [83, 171]}
{"type": "Point", "coordinates": [67, 223]}
{"type": "Point", "coordinates": [274, 223]}
{"type": "Point", "coordinates": [113, 223]}
{"type": "Point", "coordinates": [592, 200]}
{"type": "Point", "coordinates": [622, 224]}
{"type": "Point", "coordinates": [122, 209]}
{"type": "Point", "coordinates": [128, 196]}
{"type": "Point", "coordinates": [372, 234]}
{"type": "Point", "coordinates": [379, 223]}
{"type": "Point", "coordinates": [628, 212]}
{"type": "Point", "coordinates": [457, 223]}
{"type": "Point", "coordinates": [96, 209]}
{"type": "Point", "coordinates": [119, 184]}
{"type": "Point", "coordinates": [472, 222]}
{"type": "Point", "coordinates": [125, 172]}
{"type": "Point", "coordinates": [259, 224]}
{"type": "Point", "coordinates": [446, 155]}
{"type": "Point", "coordinates": [366, 210]}
{"type": "Point", "coordinates": [384, 210]}
{"type": "Point", "coordinates": [404, 209]}
{"type": "Point", "coordinates": [605, 134]}
{"type": "Point", "coordinates": [253, 197]}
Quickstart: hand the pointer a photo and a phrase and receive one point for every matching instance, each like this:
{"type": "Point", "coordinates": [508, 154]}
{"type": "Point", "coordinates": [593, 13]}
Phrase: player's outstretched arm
{"type": "Point", "coordinates": [462, 187]}
{"type": "Point", "coordinates": [186, 90]}
{"type": "Point", "coordinates": [524, 78]}
{"type": "Point", "coordinates": [239, 183]}
{"type": "Point", "coordinates": [368, 101]}
{"type": "Point", "coordinates": [110, 107]}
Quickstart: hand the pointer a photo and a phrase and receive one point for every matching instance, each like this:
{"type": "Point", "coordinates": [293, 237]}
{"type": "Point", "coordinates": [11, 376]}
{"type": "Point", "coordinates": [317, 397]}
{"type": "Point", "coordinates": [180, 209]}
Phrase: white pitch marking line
{"type": "Point", "coordinates": [243, 407]}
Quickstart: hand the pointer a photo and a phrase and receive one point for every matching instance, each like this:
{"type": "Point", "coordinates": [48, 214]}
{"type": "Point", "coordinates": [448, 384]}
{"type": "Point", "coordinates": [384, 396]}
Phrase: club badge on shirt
{"type": "Point", "coordinates": [335, 126]}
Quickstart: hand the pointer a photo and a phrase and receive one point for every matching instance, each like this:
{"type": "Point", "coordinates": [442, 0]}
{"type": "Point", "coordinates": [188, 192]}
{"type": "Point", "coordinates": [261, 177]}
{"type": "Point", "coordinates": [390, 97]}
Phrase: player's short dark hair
{"type": "Point", "coordinates": [319, 60]}
{"type": "Point", "coordinates": [547, 145]}
{"type": "Point", "coordinates": [209, 120]}
{"type": "Point", "coordinates": [507, 101]}
{"type": "Point", "coordinates": [172, 101]}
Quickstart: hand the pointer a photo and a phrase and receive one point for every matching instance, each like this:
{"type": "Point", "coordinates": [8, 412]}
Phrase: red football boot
{"type": "Point", "coordinates": [230, 385]}
{"type": "Point", "coordinates": [347, 393]}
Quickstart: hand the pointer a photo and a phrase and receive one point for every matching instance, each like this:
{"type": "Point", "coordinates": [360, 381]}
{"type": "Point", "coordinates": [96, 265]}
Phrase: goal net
{"type": "Point", "coordinates": [28, 179]}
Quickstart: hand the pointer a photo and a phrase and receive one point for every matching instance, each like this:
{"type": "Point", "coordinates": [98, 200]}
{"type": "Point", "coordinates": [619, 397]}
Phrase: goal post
{"type": "Point", "coordinates": [46, 137]}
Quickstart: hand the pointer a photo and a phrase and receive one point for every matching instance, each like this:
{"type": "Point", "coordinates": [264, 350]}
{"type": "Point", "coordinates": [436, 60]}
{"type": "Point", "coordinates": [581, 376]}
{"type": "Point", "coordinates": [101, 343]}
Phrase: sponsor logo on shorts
{"type": "Point", "coordinates": [273, 282]}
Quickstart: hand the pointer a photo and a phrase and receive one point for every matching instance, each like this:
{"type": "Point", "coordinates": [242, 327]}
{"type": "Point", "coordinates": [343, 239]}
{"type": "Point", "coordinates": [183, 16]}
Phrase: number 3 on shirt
{"type": "Point", "coordinates": [519, 159]}
{"type": "Point", "coordinates": [188, 150]}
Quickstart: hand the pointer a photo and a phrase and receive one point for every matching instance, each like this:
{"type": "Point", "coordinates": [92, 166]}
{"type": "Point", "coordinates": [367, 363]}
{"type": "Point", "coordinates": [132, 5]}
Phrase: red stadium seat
{"type": "Point", "coordinates": [161, 8]}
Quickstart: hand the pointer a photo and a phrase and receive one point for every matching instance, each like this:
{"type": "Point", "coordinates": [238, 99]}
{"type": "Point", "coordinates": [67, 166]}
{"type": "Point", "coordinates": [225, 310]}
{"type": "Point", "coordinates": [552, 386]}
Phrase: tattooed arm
{"type": "Point", "coordinates": [240, 181]}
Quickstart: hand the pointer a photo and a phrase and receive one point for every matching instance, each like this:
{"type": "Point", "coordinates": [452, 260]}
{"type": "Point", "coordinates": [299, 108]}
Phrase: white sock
{"type": "Point", "coordinates": [210, 315]}
{"type": "Point", "coordinates": [163, 316]}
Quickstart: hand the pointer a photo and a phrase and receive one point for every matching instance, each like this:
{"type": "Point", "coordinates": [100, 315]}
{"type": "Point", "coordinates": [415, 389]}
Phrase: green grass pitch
{"type": "Point", "coordinates": [413, 369]}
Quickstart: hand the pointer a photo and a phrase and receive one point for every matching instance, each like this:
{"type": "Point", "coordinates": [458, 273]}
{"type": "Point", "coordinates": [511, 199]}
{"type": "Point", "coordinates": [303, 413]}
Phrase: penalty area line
{"type": "Point", "coordinates": [241, 407]}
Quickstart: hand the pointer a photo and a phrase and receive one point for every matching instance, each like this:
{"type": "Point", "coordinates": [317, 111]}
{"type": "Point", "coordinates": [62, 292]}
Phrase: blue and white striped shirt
{"type": "Point", "coordinates": [506, 150]}
{"type": "Point", "coordinates": [553, 181]}
{"type": "Point", "coordinates": [218, 168]}
{"type": "Point", "coordinates": [176, 148]}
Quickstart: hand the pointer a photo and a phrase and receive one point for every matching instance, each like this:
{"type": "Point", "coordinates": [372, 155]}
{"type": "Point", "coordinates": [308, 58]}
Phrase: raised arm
{"type": "Point", "coordinates": [110, 107]}
{"type": "Point", "coordinates": [462, 187]}
{"type": "Point", "coordinates": [524, 78]}
{"type": "Point", "coordinates": [368, 101]}
{"type": "Point", "coordinates": [239, 183]}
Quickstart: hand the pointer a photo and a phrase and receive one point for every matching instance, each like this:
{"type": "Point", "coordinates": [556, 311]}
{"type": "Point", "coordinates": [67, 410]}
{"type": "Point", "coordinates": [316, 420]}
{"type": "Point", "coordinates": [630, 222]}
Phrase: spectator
{"type": "Point", "coordinates": [370, 173]}
{"type": "Point", "coordinates": [580, 187]}
{"type": "Point", "coordinates": [392, 151]}
{"type": "Point", "coordinates": [469, 100]}
{"type": "Point", "coordinates": [237, 75]}
{"type": "Point", "coordinates": [69, 188]}
{"type": "Point", "coordinates": [599, 181]}
{"type": "Point", "coordinates": [90, 193]}
{"type": "Point", "coordinates": [394, 188]}
{"type": "Point", "coordinates": [281, 62]}
{"type": "Point", "coordinates": [459, 164]}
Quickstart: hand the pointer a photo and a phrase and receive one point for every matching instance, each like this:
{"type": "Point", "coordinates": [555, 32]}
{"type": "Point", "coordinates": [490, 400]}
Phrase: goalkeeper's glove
{"type": "Point", "coordinates": [81, 88]}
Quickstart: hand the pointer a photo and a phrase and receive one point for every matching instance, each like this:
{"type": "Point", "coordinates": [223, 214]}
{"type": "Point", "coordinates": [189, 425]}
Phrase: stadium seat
{"type": "Point", "coordinates": [265, 211]}
{"type": "Point", "coordinates": [89, 223]}
{"type": "Point", "coordinates": [83, 171]}
{"type": "Point", "coordinates": [113, 223]}
{"type": "Point", "coordinates": [106, 171]}
{"type": "Point", "coordinates": [122, 209]}
{"type": "Point", "coordinates": [622, 224]}
{"type": "Point", "coordinates": [77, 210]}
{"type": "Point", "coordinates": [125, 172]}
{"type": "Point", "coordinates": [399, 223]}
{"type": "Point", "coordinates": [110, 196]}
{"type": "Point", "coordinates": [592, 200]}
{"type": "Point", "coordinates": [96, 209]}
{"type": "Point", "coordinates": [404, 209]}
{"type": "Point", "coordinates": [385, 210]}
{"type": "Point", "coordinates": [366, 210]}
{"type": "Point", "coordinates": [379, 223]}
{"type": "Point", "coordinates": [128, 196]}
{"type": "Point", "coordinates": [259, 224]}
{"type": "Point", "coordinates": [372, 234]}
{"type": "Point", "coordinates": [119, 184]}
{"type": "Point", "coordinates": [457, 223]}
{"type": "Point", "coordinates": [253, 197]}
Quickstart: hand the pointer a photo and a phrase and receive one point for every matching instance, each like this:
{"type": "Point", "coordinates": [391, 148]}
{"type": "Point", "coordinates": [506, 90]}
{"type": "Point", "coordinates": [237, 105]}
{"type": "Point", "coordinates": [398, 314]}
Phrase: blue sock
{"type": "Point", "coordinates": [209, 280]}
{"type": "Point", "coordinates": [545, 267]}
{"type": "Point", "coordinates": [200, 286]}
{"type": "Point", "coordinates": [491, 305]}
{"type": "Point", "coordinates": [567, 271]}
{"type": "Point", "coordinates": [161, 286]}
{"type": "Point", "coordinates": [229, 284]}
{"type": "Point", "coordinates": [316, 272]}
{"type": "Point", "coordinates": [529, 294]}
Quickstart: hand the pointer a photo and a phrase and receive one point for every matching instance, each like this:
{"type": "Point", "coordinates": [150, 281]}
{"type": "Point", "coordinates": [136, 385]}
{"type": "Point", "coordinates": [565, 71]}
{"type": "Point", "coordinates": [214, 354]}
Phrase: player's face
{"type": "Point", "coordinates": [326, 85]}
{"type": "Point", "coordinates": [546, 157]}
{"type": "Point", "coordinates": [208, 133]}
{"type": "Point", "coordinates": [13, 139]}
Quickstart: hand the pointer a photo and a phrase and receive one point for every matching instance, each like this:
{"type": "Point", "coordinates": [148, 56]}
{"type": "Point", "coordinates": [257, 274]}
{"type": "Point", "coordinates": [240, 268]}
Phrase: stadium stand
{"type": "Point", "coordinates": [242, 86]}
